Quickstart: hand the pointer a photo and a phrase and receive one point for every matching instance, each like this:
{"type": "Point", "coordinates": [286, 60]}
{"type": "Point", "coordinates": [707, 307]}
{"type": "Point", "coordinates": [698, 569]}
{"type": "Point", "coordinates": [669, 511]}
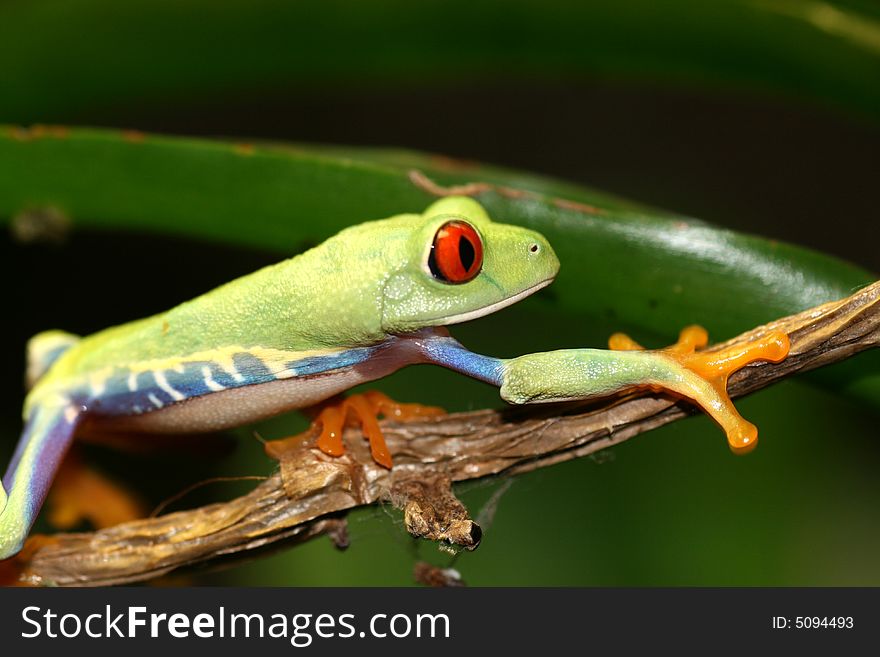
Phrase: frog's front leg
{"type": "Point", "coordinates": [47, 436]}
{"type": "Point", "coordinates": [571, 374]}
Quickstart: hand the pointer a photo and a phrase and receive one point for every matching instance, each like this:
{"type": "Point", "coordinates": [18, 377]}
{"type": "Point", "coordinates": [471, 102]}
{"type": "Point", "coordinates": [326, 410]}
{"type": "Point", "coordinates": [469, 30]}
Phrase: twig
{"type": "Point", "coordinates": [310, 492]}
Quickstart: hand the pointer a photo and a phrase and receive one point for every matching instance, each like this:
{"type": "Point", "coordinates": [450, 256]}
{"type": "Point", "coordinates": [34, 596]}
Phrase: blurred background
{"type": "Point", "coordinates": [760, 116]}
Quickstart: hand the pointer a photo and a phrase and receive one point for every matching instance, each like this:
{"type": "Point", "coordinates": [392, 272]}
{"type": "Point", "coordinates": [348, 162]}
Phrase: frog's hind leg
{"type": "Point", "coordinates": [702, 376]}
{"type": "Point", "coordinates": [46, 438]}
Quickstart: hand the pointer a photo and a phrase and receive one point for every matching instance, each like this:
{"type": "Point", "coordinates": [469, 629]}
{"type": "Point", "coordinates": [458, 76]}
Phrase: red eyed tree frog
{"type": "Point", "coordinates": [366, 302]}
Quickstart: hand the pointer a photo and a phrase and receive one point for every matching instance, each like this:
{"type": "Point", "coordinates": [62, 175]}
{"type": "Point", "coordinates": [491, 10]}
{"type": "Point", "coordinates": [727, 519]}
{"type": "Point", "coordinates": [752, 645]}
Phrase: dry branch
{"type": "Point", "coordinates": [311, 491]}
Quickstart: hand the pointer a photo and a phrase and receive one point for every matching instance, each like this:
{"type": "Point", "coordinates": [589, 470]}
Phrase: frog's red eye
{"type": "Point", "coordinates": [457, 253]}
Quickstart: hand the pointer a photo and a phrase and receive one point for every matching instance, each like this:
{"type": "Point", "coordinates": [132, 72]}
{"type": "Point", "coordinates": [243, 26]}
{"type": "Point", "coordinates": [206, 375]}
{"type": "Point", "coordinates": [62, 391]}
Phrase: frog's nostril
{"type": "Point", "coordinates": [534, 248]}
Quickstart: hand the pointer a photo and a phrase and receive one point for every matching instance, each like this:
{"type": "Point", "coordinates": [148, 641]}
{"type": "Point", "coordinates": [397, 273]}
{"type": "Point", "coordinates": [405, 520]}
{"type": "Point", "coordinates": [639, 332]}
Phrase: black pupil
{"type": "Point", "coordinates": [466, 253]}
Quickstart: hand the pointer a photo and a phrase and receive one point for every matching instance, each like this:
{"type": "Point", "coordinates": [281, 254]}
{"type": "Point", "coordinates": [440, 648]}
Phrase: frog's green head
{"type": "Point", "coordinates": [456, 264]}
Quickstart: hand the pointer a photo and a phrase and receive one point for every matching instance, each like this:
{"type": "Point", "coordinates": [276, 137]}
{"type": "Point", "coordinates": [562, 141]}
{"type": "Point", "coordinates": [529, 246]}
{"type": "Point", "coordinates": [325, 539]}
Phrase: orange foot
{"type": "Point", "coordinates": [80, 493]}
{"type": "Point", "coordinates": [331, 418]}
{"type": "Point", "coordinates": [365, 408]}
{"type": "Point", "coordinates": [712, 369]}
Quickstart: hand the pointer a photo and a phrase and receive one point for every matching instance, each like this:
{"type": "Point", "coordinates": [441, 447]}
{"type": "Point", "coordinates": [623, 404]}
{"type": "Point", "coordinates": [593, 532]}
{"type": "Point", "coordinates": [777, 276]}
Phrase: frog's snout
{"type": "Point", "coordinates": [541, 256]}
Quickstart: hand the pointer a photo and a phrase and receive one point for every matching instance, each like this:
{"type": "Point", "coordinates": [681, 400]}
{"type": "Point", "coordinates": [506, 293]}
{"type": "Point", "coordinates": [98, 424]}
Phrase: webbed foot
{"type": "Point", "coordinates": [713, 368]}
{"type": "Point", "coordinates": [331, 418]}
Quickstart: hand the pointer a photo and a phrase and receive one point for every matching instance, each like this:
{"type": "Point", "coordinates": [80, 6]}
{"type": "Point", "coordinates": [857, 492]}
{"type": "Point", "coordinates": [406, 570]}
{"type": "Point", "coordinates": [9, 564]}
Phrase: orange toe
{"type": "Point", "coordinates": [622, 342]}
{"type": "Point", "coordinates": [690, 339]}
{"type": "Point", "coordinates": [332, 421]}
{"type": "Point", "coordinates": [366, 413]}
{"type": "Point", "coordinates": [743, 437]}
{"type": "Point", "coordinates": [722, 363]}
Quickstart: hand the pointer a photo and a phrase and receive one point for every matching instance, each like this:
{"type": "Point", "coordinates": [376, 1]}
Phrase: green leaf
{"type": "Point", "coordinates": [150, 51]}
{"type": "Point", "coordinates": [629, 266]}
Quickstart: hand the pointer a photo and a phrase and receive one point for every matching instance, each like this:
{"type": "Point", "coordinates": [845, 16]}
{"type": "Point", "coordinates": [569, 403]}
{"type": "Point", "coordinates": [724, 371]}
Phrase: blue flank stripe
{"type": "Point", "coordinates": [252, 369]}
{"type": "Point", "coordinates": [329, 362]}
{"type": "Point", "coordinates": [191, 382]}
{"type": "Point", "coordinates": [117, 399]}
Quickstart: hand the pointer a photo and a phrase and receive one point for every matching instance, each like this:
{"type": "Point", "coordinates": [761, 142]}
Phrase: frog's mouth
{"type": "Point", "coordinates": [486, 310]}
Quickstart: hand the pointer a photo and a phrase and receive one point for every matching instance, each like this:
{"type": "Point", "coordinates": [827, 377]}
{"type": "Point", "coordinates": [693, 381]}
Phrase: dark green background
{"type": "Point", "coordinates": [747, 118]}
